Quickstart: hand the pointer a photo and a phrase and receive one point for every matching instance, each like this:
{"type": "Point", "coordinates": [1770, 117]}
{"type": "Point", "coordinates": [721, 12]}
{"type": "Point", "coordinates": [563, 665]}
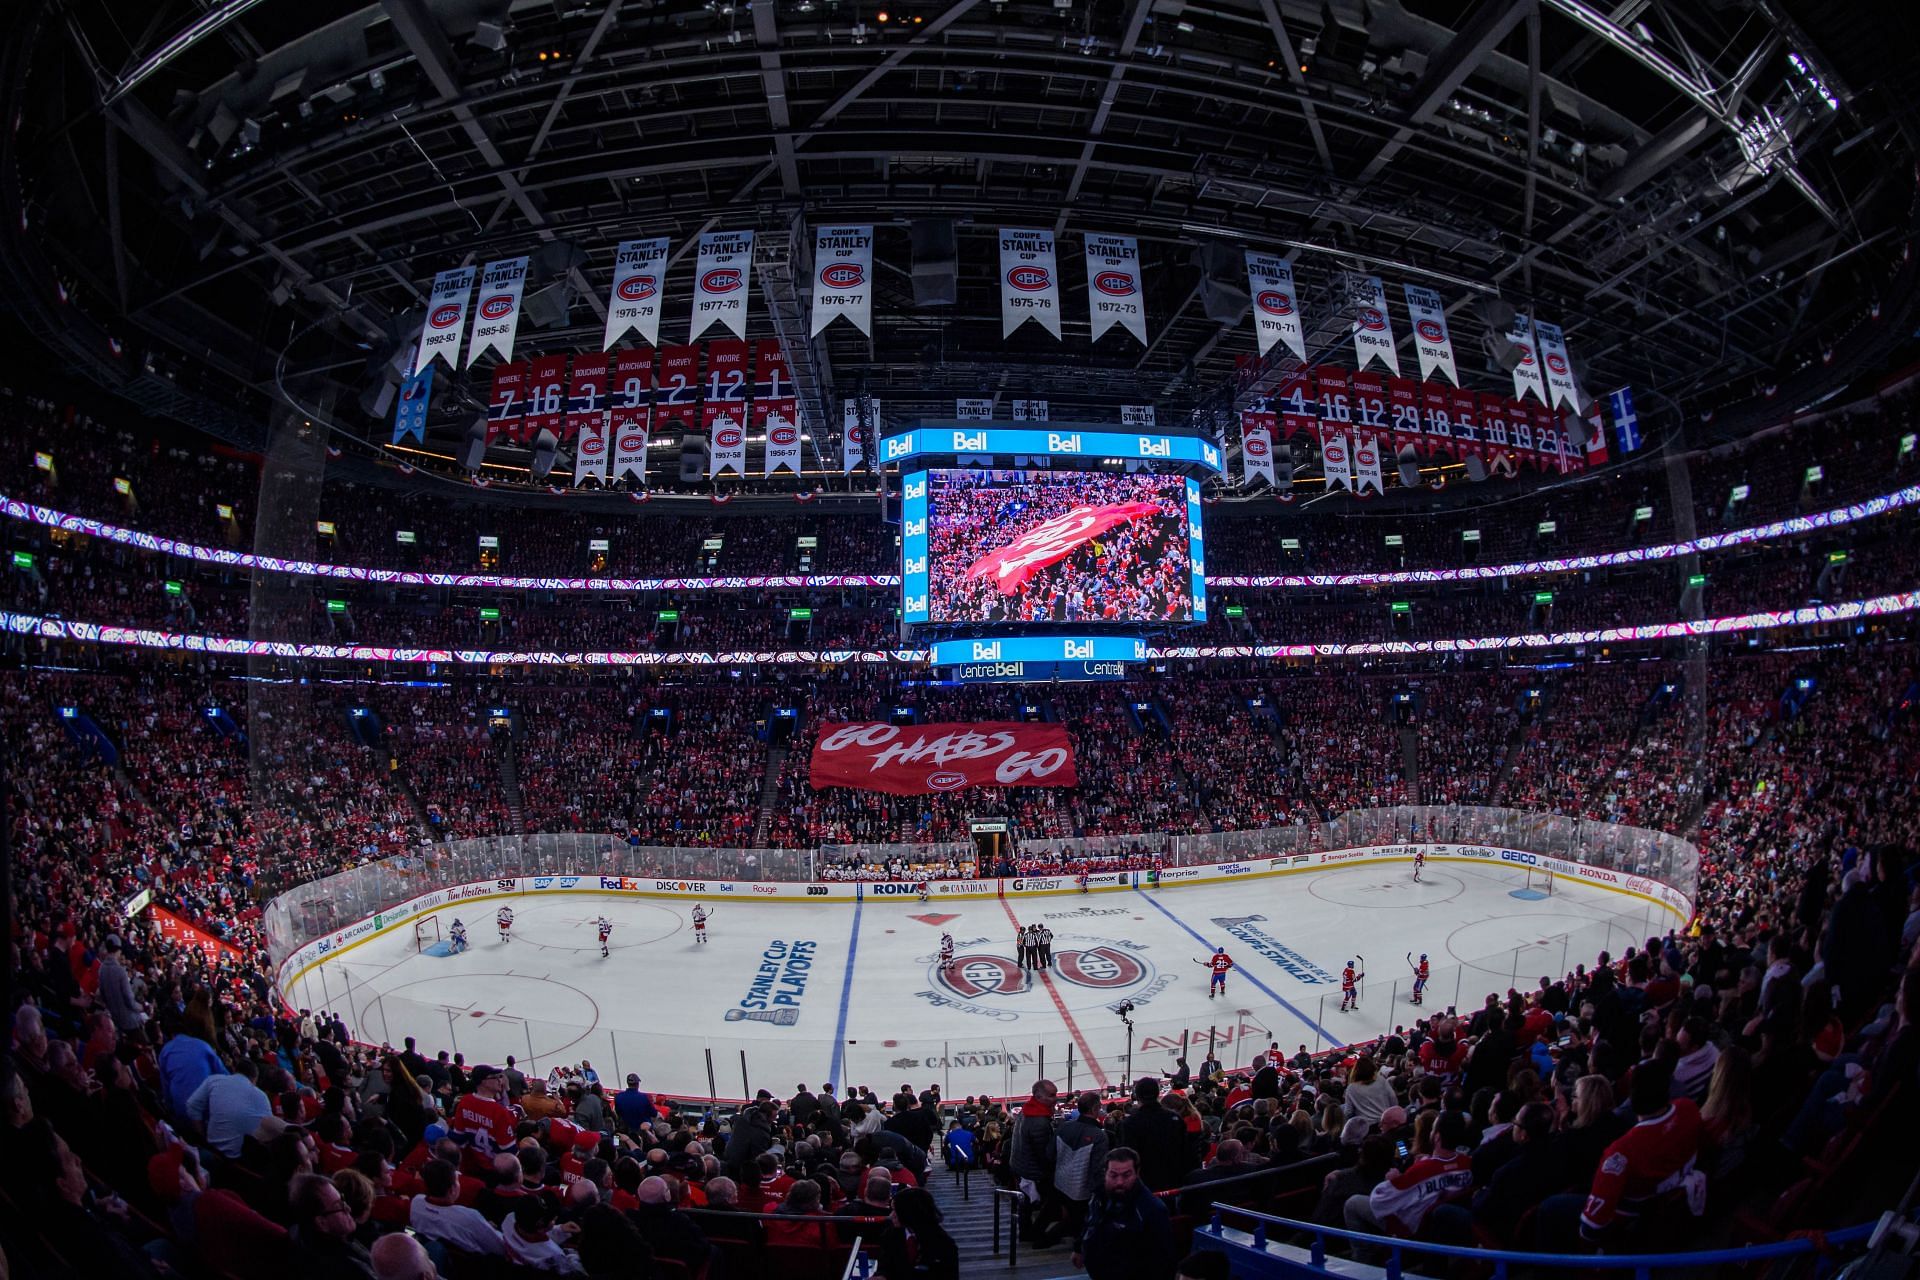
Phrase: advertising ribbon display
{"type": "Point", "coordinates": [720, 283]}
{"type": "Point", "coordinates": [639, 283]}
{"type": "Point", "coordinates": [1029, 281]}
{"type": "Point", "coordinates": [446, 318]}
{"type": "Point", "coordinates": [1009, 567]}
{"type": "Point", "coordinates": [911, 760]}
{"type": "Point", "coordinates": [843, 277]}
{"type": "Point", "coordinates": [1113, 286]}
{"type": "Point", "coordinates": [496, 317]}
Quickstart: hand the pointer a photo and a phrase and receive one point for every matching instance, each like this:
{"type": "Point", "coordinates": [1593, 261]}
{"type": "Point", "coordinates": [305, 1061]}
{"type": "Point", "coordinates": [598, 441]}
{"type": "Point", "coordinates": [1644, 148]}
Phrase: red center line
{"type": "Point", "coordinates": [1073, 1028]}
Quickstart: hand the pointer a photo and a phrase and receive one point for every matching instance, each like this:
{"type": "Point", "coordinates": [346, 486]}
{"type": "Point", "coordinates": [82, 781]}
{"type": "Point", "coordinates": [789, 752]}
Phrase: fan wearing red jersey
{"type": "Point", "coordinates": [484, 1115]}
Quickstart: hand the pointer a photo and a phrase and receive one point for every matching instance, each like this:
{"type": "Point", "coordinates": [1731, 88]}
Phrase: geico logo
{"type": "Point", "coordinates": [893, 890]}
{"type": "Point", "coordinates": [1513, 855]}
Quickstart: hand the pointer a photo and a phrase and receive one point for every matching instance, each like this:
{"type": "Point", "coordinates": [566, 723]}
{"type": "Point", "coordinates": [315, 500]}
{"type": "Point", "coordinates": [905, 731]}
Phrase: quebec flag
{"type": "Point", "coordinates": [1626, 424]}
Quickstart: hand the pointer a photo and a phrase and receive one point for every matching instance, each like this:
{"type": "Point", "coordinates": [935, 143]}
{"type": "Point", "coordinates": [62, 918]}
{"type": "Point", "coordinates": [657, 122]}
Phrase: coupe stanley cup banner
{"type": "Point", "coordinates": [1526, 374]}
{"type": "Point", "coordinates": [630, 402]}
{"type": "Point", "coordinates": [724, 415]}
{"type": "Point", "coordinates": [1276, 309]}
{"type": "Point", "coordinates": [496, 316]}
{"type": "Point", "coordinates": [1336, 459]}
{"type": "Point", "coordinates": [446, 318]}
{"type": "Point", "coordinates": [1029, 281]}
{"type": "Point", "coordinates": [639, 285]}
{"type": "Point", "coordinates": [854, 434]}
{"type": "Point", "coordinates": [843, 277]}
{"type": "Point", "coordinates": [1256, 444]}
{"type": "Point", "coordinates": [720, 280]}
{"type": "Point", "coordinates": [1430, 337]}
{"type": "Point", "coordinates": [1030, 411]}
{"type": "Point", "coordinates": [1113, 286]}
{"type": "Point", "coordinates": [1555, 365]}
{"type": "Point", "coordinates": [410, 410]}
{"type": "Point", "coordinates": [1366, 464]}
{"type": "Point", "coordinates": [1372, 332]}
{"type": "Point", "coordinates": [918, 759]}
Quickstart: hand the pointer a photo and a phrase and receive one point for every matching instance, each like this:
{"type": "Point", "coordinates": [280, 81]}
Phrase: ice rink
{"type": "Point", "coordinates": [792, 992]}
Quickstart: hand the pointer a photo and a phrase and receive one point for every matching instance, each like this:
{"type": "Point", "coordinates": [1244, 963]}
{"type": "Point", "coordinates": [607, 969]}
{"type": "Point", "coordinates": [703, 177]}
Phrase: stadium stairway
{"type": "Point", "coordinates": [1410, 761]}
{"type": "Point", "coordinates": [968, 1219]}
{"type": "Point", "coordinates": [509, 772]}
{"type": "Point", "coordinates": [769, 792]}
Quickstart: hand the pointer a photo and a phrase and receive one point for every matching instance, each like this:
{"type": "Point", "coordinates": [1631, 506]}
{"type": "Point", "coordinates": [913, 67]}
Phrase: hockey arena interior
{"type": "Point", "coordinates": [851, 639]}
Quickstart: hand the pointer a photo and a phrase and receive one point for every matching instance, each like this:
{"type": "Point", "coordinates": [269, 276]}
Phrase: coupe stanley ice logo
{"type": "Point", "coordinates": [498, 307]}
{"type": "Point", "coordinates": [1029, 278]}
{"type": "Point", "coordinates": [638, 288]}
{"type": "Point", "coordinates": [843, 275]}
{"type": "Point", "coordinates": [1117, 283]}
{"type": "Point", "coordinates": [447, 314]}
{"type": "Point", "coordinates": [721, 280]}
{"type": "Point", "coordinates": [1276, 303]}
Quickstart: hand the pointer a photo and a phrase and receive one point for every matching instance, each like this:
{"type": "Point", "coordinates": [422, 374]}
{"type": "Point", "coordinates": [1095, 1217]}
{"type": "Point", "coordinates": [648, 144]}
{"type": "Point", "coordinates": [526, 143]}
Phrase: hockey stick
{"type": "Point", "coordinates": [1362, 976]}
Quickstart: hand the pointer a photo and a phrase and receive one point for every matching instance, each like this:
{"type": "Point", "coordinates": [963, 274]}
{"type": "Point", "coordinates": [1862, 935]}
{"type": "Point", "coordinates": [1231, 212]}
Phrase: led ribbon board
{"type": "Point", "coordinates": [936, 442]}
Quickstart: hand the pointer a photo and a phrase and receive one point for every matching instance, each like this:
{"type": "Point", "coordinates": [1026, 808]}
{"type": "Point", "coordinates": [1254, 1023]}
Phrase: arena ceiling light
{"type": "Point", "coordinates": [196, 31]}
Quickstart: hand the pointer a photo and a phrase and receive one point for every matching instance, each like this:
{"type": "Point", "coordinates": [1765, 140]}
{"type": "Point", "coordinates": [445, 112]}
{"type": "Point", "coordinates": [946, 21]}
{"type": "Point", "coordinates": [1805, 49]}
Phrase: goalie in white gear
{"type": "Point", "coordinates": [457, 939]}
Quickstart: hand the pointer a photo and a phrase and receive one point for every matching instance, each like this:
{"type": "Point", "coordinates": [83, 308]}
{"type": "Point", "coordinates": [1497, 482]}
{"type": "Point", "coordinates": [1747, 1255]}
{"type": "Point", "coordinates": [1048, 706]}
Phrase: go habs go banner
{"type": "Point", "coordinates": [912, 760]}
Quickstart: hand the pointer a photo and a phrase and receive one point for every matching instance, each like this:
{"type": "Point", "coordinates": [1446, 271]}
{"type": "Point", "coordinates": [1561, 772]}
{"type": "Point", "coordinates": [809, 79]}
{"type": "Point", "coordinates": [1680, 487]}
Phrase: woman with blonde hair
{"type": "Point", "coordinates": [1588, 1128]}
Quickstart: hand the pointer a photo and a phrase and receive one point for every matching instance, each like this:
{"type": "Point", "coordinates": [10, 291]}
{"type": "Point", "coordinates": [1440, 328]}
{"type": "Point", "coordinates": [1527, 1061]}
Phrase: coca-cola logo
{"type": "Point", "coordinates": [1118, 283]}
{"type": "Point", "coordinates": [782, 435]}
{"type": "Point", "coordinates": [720, 280]}
{"type": "Point", "coordinates": [1275, 303]}
{"type": "Point", "coordinates": [728, 437]}
{"type": "Point", "coordinates": [445, 315]}
{"type": "Point", "coordinates": [946, 780]}
{"type": "Point", "coordinates": [843, 275]}
{"type": "Point", "coordinates": [1557, 363]}
{"type": "Point", "coordinates": [1029, 279]}
{"type": "Point", "coordinates": [1373, 320]}
{"type": "Point", "coordinates": [592, 446]}
{"type": "Point", "coordinates": [1431, 331]}
{"type": "Point", "coordinates": [638, 288]}
{"type": "Point", "coordinates": [498, 307]}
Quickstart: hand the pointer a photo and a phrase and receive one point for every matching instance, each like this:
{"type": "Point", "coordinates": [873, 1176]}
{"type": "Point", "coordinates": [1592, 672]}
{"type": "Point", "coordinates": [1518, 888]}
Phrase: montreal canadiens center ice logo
{"type": "Point", "coordinates": [1105, 969]}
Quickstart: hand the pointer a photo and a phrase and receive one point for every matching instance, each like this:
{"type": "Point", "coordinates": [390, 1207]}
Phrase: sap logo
{"type": "Point", "coordinates": [986, 652]}
{"type": "Point", "coordinates": [1076, 649]}
{"type": "Point", "coordinates": [638, 288]}
{"type": "Point", "coordinates": [567, 882]}
{"type": "Point", "coordinates": [1062, 444]}
{"type": "Point", "coordinates": [817, 891]}
{"type": "Point", "coordinates": [446, 316]}
{"type": "Point", "coordinates": [915, 489]}
{"type": "Point", "coordinates": [1156, 447]}
{"type": "Point", "coordinates": [916, 564]}
{"type": "Point", "coordinates": [720, 280]}
{"type": "Point", "coordinates": [497, 307]}
{"type": "Point", "coordinates": [1431, 331]}
{"type": "Point", "coordinates": [843, 275]}
{"type": "Point", "coordinates": [916, 606]}
{"type": "Point", "coordinates": [969, 442]}
{"type": "Point", "coordinates": [916, 528]}
{"type": "Point", "coordinates": [543, 882]}
{"type": "Point", "coordinates": [1512, 855]}
{"type": "Point", "coordinates": [892, 890]}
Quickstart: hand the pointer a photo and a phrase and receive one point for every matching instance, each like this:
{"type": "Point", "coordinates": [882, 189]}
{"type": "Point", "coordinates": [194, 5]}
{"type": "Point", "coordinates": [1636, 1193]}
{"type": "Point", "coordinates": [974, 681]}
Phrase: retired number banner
{"type": "Point", "coordinates": [918, 759]}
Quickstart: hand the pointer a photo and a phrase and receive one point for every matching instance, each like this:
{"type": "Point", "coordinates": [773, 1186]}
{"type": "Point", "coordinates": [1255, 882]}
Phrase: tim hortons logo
{"type": "Point", "coordinates": [638, 288]}
{"type": "Point", "coordinates": [720, 280]}
{"type": "Point", "coordinates": [446, 315]}
{"type": "Point", "coordinates": [1276, 303]}
{"type": "Point", "coordinates": [498, 307]}
{"type": "Point", "coordinates": [843, 275]}
{"type": "Point", "coordinates": [1028, 279]}
{"type": "Point", "coordinates": [1118, 283]}
{"type": "Point", "coordinates": [1431, 330]}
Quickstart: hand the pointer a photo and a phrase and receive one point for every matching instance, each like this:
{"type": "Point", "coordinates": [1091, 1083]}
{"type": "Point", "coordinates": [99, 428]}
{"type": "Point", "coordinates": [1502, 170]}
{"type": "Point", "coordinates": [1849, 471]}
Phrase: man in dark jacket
{"type": "Point", "coordinates": [919, 1124]}
{"type": "Point", "coordinates": [752, 1134]}
{"type": "Point", "coordinates": [1535, 1171]}
{"type": "Point", "coordinates": [1165, 1154]}
{"type": "Point", "coordinates": [1077, 1176]}
{"type": "Point", "coordinates": [1031, 1157]}
{"type": "Point", "coordinates": [803, 1107]}
{"type": "Point", "coordinates": [1128, 1235]}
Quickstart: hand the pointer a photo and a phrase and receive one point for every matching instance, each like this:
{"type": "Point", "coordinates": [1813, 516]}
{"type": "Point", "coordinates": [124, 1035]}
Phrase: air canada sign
{"type": "Point", "coordinates": [919, 759]}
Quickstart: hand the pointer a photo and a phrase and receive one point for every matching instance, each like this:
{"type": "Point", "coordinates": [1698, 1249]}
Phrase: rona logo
{"type": "Point", "coordinates": [843, 275]}
{"type": "Point", "coordinates": [1117, 283]}
{"type": "Point", "coordinates": [720, 280]}
{"type": "Point", "coordinates": [498, 307]}
{"type": "Point", "coordinates": [446, 315]}
{"type": "Point", "coordinates": [893, 889]}
{"type": "Point", "coordinates": [1275, 303]}
{"type": "Point", "coordinates": [1430, 331]}
{"type": "Point", "coordinates": [638, 288]}
{"type": "Point", "coordinates": [1029, 278]}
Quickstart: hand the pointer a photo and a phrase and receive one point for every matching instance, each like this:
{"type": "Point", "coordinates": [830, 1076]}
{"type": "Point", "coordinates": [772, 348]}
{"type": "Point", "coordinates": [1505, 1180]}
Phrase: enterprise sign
{"type": "Point", "coordinates": [943, 441]}
{"type": "Point", "coordinates": [1023, 649]}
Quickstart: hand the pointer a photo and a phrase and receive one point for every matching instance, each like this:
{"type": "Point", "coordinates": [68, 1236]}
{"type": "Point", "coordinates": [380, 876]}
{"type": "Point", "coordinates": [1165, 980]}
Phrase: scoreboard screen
{"type": "Point", "coordinates": [1067, 547]}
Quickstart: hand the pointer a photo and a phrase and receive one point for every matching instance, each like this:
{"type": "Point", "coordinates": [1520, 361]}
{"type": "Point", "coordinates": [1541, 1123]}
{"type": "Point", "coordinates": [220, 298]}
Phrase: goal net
{"type": "Point", "coordinates": [426, 932]}
{"type": "Point", "coordinates": [1540, 880]}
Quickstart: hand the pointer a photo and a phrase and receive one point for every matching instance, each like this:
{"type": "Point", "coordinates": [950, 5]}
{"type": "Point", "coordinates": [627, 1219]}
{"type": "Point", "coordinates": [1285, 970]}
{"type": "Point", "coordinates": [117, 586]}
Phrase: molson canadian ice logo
{"type": "Point", "coordinates": [1371, 318]}
{"type": "Point", "coordinates": [445, 314]}
{"type": "Point", "coordinates": [843, 275]}
{"type": "Point", "coordinates": [498, 307]}
{"type": "Point", "coordinates": [1275, 303]}
{"type": "Point", "coordinates": [782, 434]}
{"type": "Point", "coordinates": [1101, 966]}
{"type": "Point", "coordinates": [638, 288]}
{"type": "Point", "coordinates": [728, 437]}
{"type": "Point", "coordinates": [1029, 278]}
{"type": "Point", "coordinates": [1430, 330]}
{"type": "Point", "coordinates": [1117, 283]}
{"type": "Point", "coordinates": [721, 280]}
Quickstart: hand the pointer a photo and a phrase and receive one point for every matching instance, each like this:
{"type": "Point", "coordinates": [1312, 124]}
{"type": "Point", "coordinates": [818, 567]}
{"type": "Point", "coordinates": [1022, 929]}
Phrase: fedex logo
{"type": "Point", "coordinates": [988, 652]}
{"type": "Point", "coordinates": [969, 442]}
{"type": "Point", "coordinates": [916, 489]}
{"type": "Point", "coordinates": [1156, 447]}
{"type": "Point", "coordinates": [1063, 444]}
{"type": "Point", "coordinates": [916, 564]}
{"type": "Point", "coordinates": [917, 528]}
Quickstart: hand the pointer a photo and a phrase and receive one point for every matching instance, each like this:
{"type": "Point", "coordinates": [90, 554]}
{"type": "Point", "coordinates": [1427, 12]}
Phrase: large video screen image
{"type": "Point", "coordinates": [1061, 546]}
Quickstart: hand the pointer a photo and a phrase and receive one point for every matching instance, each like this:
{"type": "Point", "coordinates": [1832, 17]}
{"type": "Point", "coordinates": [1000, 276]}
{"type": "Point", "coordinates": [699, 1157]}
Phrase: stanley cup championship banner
{"type": "Point", "coordinates": [1430, 337]}
{"type": "Point", "coordinates": [1556, 366]}
{"type": "Point", "coordinates": [1372, 331]}
{"type": "Point", "coordinates": [1029, 282]}
{"type": "Point", "coordinates": [854, 433]}
{"type": "Point", "coordinates": [776, 412]}
{"type": "Point", "coordinates": [1113, 286]}
{"type": "Point", "coordinates": [724, 415]}
{"type": "Point", "coordinates": [919, 759]}
{"type": "Point", "coordinates": [843, 277]}
{"type": "Point", "coordinates": [1276, 311]}
{"type": "Point", "coordinates": [496, 317]}
{"type": "Point", "coordinates": [629, 403]}
{"type": "Point", "coordinates": [1256, 444]}
{"type": "Point", "coordinates": [446, 319]}
{"type": "Point", "coordinates": [1526, 373]}
{"type": "Point", "coordinates": [639, 284]}
{"type": "Point", "coordinates": [720, 283]}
